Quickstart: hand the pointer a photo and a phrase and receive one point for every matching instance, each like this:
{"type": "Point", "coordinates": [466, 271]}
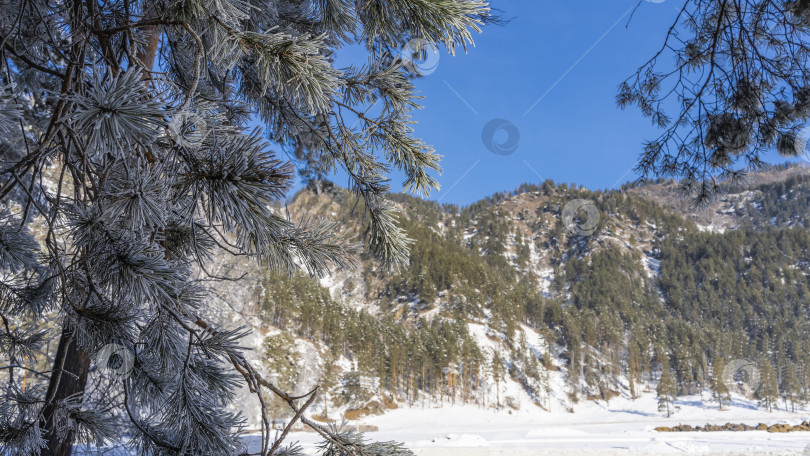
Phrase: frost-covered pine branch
{"type": "Point", "coordinates": [128, 165]}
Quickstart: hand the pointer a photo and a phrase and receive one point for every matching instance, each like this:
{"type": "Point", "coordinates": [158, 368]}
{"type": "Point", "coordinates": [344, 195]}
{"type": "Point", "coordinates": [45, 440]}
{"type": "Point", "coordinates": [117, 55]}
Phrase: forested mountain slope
{"type": "Point", "coordinates": [521, 298]}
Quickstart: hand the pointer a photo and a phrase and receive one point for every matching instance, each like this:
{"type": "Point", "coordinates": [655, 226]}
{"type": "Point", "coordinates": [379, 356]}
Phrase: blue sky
{"type": "Point", "coordinates": [565, 58]}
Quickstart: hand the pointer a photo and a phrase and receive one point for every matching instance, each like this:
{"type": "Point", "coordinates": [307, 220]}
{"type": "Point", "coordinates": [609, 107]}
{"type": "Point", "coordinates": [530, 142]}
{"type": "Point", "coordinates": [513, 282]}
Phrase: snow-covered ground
{"type": "Point", "coordinates": [623, 427]}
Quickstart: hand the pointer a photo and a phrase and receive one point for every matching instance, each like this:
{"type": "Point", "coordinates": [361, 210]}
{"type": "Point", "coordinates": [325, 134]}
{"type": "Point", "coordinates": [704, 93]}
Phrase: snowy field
{"type": "Point", "coordinates": [622, 428]}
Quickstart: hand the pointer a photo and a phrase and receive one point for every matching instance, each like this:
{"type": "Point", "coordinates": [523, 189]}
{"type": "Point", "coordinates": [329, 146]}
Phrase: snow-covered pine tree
{"type": "Point", "coordinates": [128, 163]}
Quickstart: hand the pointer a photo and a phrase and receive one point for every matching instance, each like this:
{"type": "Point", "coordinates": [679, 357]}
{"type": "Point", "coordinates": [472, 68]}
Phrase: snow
{"type": "Point", "coordinates": [652, 266]}
{"type": "Point", "coordinates": [624, 427]}
{"type": "Point", "coordinates": [457, 440]}
{"type": "Point", "coordinates": [336, 284]}
{"type": "Point", "coordinates": [711, 228]}
{"type": "Point", "coordinates": [432, 313]}
{"type": "Point", "coordinates": [545, 275]}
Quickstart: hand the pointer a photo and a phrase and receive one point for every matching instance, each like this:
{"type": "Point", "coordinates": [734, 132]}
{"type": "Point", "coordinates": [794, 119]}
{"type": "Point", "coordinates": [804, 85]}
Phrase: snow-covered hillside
{"type": "Point", "coordinates": [549, 394]}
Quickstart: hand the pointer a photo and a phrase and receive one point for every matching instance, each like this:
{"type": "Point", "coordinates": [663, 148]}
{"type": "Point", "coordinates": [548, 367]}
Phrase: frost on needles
{"type": "Point", "coordinates": [128, 164]}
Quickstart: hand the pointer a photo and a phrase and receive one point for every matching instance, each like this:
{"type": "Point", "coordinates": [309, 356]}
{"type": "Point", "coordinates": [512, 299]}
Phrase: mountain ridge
{"type": "Point", "coordinates": [511, 297]}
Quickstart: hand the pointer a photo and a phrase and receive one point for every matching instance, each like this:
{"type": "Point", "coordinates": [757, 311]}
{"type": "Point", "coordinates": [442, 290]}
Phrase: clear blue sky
{"type": "Point", "coordinates": [573, 54]}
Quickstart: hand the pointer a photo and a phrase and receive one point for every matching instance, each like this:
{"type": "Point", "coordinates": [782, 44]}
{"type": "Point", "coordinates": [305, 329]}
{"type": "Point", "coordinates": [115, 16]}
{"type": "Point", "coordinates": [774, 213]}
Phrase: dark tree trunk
{"type": "Point", "coordinates": [75, 362]}
{"type": "Point", "coordinates": [67, 382]}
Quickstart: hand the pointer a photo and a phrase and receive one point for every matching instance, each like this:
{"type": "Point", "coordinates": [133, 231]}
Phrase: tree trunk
{"type": "Point", "coordinates": [75, 362]}
{"type": "Point", "coordinates": [152, 33]}
{"type": "Point", "coordinates": [68, 382]}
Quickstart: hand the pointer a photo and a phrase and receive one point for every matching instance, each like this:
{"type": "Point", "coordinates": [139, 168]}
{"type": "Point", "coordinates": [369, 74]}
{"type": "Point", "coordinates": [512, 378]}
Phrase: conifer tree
{"type": "Point", "coordinates": [498, 371]}
{"type": "Point", "coordinates": [789, 385]}
{"type": "Point", "coordinates": [633, 369]}
{"type": "Point", "coordinates": [667, 389]}
{"type": "Point", "coordinates": [128, 163]}
{"type": "Point", "coordinates": [768, 391]}
{"type": "Point", "coordinates": [720, 390]}
{"type": "Point", "coordinates": [330, 379]}
{"type": "Point", "coordinates": [282, 361]}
